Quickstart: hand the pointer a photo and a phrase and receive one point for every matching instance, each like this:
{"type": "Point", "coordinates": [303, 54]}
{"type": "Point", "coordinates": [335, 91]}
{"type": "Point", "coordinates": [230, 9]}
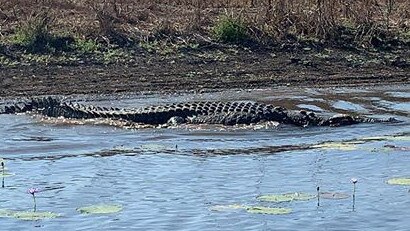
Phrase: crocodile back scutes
{"type": "Point", "coordinates": [210, 107]}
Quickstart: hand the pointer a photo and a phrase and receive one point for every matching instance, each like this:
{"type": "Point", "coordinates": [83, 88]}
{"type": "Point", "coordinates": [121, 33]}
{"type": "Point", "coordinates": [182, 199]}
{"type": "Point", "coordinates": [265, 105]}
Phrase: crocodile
{"type": "Point", "coordinates": [202, 112]}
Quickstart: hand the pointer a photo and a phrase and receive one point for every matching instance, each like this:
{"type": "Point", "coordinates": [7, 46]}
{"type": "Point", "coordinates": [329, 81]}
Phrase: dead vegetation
{"type": "Point", "coordinates": [366, 23]}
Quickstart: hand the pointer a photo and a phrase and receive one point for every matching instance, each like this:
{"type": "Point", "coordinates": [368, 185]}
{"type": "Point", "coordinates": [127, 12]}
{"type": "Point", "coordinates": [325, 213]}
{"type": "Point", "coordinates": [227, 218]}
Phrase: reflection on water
{"type": "Point", "coordinates": [168, 179]}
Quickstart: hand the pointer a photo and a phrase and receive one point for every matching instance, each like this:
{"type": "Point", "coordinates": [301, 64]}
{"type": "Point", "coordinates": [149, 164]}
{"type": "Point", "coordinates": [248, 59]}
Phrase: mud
{"type": "Point", "coordinates": [207, 70]}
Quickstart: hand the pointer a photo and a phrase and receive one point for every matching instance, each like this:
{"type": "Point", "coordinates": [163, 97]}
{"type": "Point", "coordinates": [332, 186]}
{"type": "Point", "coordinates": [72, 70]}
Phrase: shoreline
{"type": "Point", "coordinates": [203, 70]}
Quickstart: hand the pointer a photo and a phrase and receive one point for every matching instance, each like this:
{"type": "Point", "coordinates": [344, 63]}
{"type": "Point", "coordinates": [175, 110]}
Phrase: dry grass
{"type": "Point", "coordinates": [267, 20]}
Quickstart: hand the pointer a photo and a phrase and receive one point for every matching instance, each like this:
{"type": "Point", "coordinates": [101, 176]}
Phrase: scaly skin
{"type": "Point", "coordinates": [227, 113]}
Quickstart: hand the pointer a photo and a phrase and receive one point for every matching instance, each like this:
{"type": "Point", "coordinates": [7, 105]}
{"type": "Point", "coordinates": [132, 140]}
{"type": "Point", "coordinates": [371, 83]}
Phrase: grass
{"type": "Point", "coordinates": [230, 29]}
{"type": "Point", "coordinates": [364, 24]}
{"type": "Point", "coordinates": [34, 33]}
{"type": "Point", "coordinates": [87, 45]}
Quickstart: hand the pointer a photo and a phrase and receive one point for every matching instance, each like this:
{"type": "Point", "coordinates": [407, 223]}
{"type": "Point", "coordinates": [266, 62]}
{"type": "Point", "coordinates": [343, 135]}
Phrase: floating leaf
{"type": "Point", "coordinates": [5, 174]}
{"type": "Point", "coordinates": [100, 209]}
{"type": "Point", "coordinates": [227, 207]}
{"type": "Point", "coordinates": [268, 210]}
{"type": "Point", "coordinates": [286, 197]}
{"type": "Point", "coordinates": [33, 216]}
{"type": "Point", "coordinates": [28, 215]}
{"type": "Point", "coordinates": [5, 213]}
{"type": "Point", "coordinates": [345, 146]}
{"type": "Point", "coordinates": [334, 195]}
{"type": "Point", "coordinates": [374, 138]}
{"type": "Point", "coordinates": [251, 209]}
{"type": "Point", "coordinates": [399, 181]}
{"type": "Point", "coordinates": [153, 147]}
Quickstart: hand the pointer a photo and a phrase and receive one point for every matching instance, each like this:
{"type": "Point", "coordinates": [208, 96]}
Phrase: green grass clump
{"type": "Point", "coordinates": [34, 34]}
{"type": "Point", "coordinates": [230, 29]}
{"type": "Point", "coordinates": [87, 45]}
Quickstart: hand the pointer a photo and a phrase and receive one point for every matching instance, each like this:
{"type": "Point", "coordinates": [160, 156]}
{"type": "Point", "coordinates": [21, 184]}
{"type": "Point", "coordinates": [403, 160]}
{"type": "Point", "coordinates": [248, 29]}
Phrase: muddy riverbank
{"type": "Point", "coordinates": [205, 69]}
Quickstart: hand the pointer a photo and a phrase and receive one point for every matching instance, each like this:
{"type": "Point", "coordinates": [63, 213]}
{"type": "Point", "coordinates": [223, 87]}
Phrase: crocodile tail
{"type": "Point", "coordinates": [30, 105]}
{"type": "Point", "coordinates": [376, 120]}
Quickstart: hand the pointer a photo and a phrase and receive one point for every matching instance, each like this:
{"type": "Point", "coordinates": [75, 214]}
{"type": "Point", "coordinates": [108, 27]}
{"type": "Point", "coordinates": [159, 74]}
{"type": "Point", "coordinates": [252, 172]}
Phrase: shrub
{"type": "Point", "coordinates": [34, 34]}
{"type": "Point", "coordinates": [230, 29]}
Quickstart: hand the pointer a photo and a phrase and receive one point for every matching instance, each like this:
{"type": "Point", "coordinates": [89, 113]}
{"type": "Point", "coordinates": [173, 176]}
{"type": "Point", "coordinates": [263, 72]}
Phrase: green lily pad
{"type": "Point", "coordinates": [399, 181]}
{"type": "Point", "coordinates": [334, 195]}
{"type": "Point", "coordinates": [33, 216]}
{"type": "Point", "coordinates": [153, 147]}
{"type": "Point", "coordinates": [268, 210]}
{"type": "Point", "coordinates": [5, 213]}
{"type": "Point", "coordinates": [100, 209]}
{"type": "Point", "coordinates": [227, 207]}
{"type": "Point", "coordinates": [251, 209]}
{"type": "Point", "coordinates": [287, 197]}
{"type": "Point", "coordinates": [6, 174]}
{"type": "Point", "coordinates": [28, 215]}
{"type": "Point", "coordinates": [345, 146]}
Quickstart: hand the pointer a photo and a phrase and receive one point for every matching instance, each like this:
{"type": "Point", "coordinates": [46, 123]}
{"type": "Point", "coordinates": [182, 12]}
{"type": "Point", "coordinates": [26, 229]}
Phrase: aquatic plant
{"type": "Point", "coordinates": [399, 181]}
{"type": "Point", "coordinates": [2, 171]}
{"type": "Point", "coordinates": [344, 146]}
{"type": "Point", "coordinates": [33, 216]}
{"type": "Point", "coordinates": [268, 210]}
{"type": "Point", "coordinates": [354, 181]}
{"type": "Point", "coordinates": [221, 208]}
{"type": "Point", "coordinates": [33, 192]}
{"type": "Point", "coordinates": [100, 209]}
{"type": "Point", "coordinates": [286, 197]}
{"type": "Point", "coordinates": [252, 209]}
{"type": "Point", "coordinates": [27, 215]}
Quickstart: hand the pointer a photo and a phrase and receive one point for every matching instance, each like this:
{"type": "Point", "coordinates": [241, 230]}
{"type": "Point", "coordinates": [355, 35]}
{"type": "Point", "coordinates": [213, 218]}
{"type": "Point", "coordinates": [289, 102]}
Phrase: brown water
{"type": "Point", "coordinates": [169, 178]}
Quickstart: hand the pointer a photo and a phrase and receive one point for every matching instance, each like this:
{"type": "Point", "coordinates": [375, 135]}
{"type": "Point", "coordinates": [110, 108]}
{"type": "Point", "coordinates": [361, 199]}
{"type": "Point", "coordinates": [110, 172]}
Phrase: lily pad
{"type": "Point", "coordinates": [5, 213]}
{"type": "Point", "coordinates": [33, 216]}
{"type": "Point", "coordinates": [28, 215]}
{"type": "Point", "coordinates": [227, 207]}
{"type": "Point", "coordinates": [268, 210]}
{"type": "Point", "coordinates": [345, 146]}
{"type": "Point", "coordinates": [6, 174]}
{"type": "Point", "coordinates": [100, 209]}
{"type": "Point", "coordinates": [334, 195]}
{"type": "Point", "coordinates": [374, 138]}
{"type": "Point", "coordinates": [287, 197]}
{"type": "Point", "coordinates": [399, 181]}
{"type": "Point", "coordinates": [153, 147]}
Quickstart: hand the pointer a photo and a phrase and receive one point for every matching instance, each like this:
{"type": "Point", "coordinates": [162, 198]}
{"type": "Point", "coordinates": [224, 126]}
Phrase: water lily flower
{"type": "Point", "coordinates": [32, 191]}
{"type": "Point", "coordinates": [354, 180]}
